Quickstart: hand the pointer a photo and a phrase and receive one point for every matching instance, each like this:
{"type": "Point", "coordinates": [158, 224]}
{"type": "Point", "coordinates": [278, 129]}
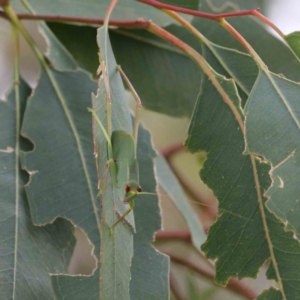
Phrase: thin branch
{"type": "Point", "coordinates": [184, 235]}
{"type": "Point", "coordinates": [233, 284]}
{"type": "Point", "coordinates": [214, 17]}
{"type": "Point", "coordinates": [268, 22]}
{"type": "Point", "coordinates": [139, 23]}
{"type": "Point", "coordinates": [172, 149]}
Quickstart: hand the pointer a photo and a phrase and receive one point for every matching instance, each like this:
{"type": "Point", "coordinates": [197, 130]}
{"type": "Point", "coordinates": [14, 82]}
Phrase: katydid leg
{"type": "Point", "coordinates": [131, 203]}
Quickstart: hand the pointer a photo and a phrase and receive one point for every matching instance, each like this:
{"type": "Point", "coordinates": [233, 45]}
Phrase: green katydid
{"type": "Point", "coordinates": [122, 153]}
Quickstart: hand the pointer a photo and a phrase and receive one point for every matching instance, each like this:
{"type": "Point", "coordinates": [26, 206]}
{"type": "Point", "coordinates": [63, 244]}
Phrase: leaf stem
{"type": "Point", "coordinates": [244, 43]}
{"type": "Point", "coordinates": [139, 23]}
{"type": "Point", "coordinates": [233, 284]}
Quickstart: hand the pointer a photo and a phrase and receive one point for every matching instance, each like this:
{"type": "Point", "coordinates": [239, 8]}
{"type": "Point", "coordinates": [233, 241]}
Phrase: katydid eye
{"type": "Point", "coordinates": [127, 188]}
{"type": "Point", "coordinates": [139, 189]}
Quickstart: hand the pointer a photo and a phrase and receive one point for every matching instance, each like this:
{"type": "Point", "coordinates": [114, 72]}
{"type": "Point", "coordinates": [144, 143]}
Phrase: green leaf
{"type": "Point", "coordinates": [144, 253]}
{"type": "Point", "coordinates": [28, 253]}
{"type": "Point", "coordinates": [57, 54]}
{"type": "Point", "coordinates": [276, 55]}
{"type": "Point", "coordinates": [117, 250]}
{"type": "Point", "coordinates": [272, 131]}
{"type": "Point", "coordinates": [171, 83]}
{"type": "Point", "coordinates": [191, 4]}
{"type": "Point", "coordinates": [271, 294]}
{"type": "Point", "coordinates": [171, 186]}
{"type": "Point", "coordinates": [245, 234]}
{"type": "Point", "coordinates": [85, 52]}
{"type": "Point", "coordinates": [148, 265]}
{"type": "Point", "coordinates": [63, 174]}
{"type": "Point", "coordinates": [293, 41]}
{"type": "Point", "coordinates": [124, 10]}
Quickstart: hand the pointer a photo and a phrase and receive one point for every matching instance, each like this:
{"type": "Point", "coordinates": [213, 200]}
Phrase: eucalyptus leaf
{"type": "Point", "coordinates": [148, 265]}
{"type": "Point", "coordinates": [245, 229]}
{"type": "Point", "coordinates": [116, 250]}
{"type": "Point", "coordinates": [28, 253]}
{"type": "Point", "coordinates": [276, 55]}
{"type": "Point", "coordinates": [272, 131]}
{"type": "Point", "coordinates": [171, 83]}
{"type": "Point", "coordinates": [62, 167]}
{"type": "Point", "coordinates": [270, 294]}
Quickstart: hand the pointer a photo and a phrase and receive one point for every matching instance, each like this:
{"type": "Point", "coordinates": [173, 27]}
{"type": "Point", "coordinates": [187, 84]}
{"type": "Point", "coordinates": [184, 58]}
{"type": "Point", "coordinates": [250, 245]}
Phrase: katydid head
{"type": "Point", "coordinates": [133, 187]}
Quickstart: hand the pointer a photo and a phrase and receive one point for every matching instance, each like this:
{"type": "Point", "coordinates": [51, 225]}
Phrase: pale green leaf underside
{"type": "Point", "coordinates": [273, 131]}
{"type": "Point", "coordinates": [172, 187]}
{"type": "Point", "coordinates": [28, 253]}
{"type": "Point", "coordinates": [237, 241]}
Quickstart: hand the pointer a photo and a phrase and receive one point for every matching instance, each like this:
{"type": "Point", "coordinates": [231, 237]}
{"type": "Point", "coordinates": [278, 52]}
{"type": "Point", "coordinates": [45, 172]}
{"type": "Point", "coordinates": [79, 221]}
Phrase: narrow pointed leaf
{"type": "Point", "coordinates": [117, 250]}
{"type": "Point", "coordinates": [272, 131]}
{"type": "Point", "coordinates": [245, 234]}
{"type": "Point", "coordinates": [172, 187]}
{"type": "Point", "coordinates": [28, 253]}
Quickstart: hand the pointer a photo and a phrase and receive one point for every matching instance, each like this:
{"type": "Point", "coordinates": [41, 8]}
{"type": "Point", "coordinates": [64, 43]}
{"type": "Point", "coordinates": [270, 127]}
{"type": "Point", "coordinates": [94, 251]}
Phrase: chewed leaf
{"type": "Point", "coordinates": [245, 229]}
{"type": "Point", "coordinates": [64, 181]}
{"type": "Point", "coordinates": [46, 249]}
{"type": "Point", "coordinates": [273, 131]}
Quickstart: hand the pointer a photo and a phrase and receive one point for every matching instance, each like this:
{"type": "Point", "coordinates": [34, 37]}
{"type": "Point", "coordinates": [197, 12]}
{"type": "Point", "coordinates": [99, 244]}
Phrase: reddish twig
{"type": "Point", "coordinates": [184, 235]}
{"type": "Point", "coordinates": [214, 17]}
{"type": "Point", "coordinates": [139, 23]}
{"type": "Point", "coordinates": [172, 149]}
{"type": "Point", "coordinates": [233, 284]}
